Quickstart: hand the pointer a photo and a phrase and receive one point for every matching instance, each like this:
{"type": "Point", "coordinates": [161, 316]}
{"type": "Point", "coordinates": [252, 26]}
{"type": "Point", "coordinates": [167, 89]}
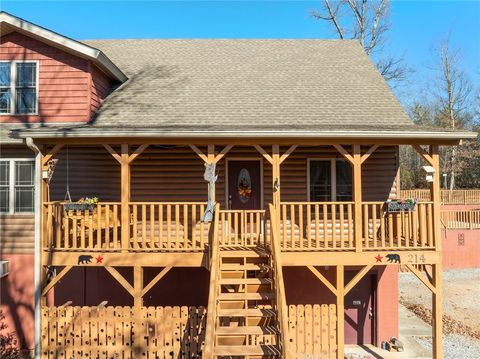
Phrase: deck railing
{"type": "Point", "coordinates": [453, 219]}
{"type": "Point", "coordinates": [168, 226]}
{"type": "Point", "coordinates": [96, 230]}
{"type": "Point", "coordinates": [329, 226]}
{"type": "Point", "coordinates": [151, 227]}
{"type": "Point", "coordinates": [456, 196]}
{"type": "Point", "coordinates": [157, 227]}
{"type": "Point", "coordinates": [242, 228]}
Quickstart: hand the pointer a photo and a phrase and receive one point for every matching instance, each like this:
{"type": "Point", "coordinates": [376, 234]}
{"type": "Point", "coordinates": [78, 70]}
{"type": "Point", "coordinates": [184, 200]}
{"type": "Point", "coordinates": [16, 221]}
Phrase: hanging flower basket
{"type": "Point", "coordinates": [84, 204]}
{"type": "Point", "coordinates": [79, 206]}
{"type": "Point", "coordinates": [400, 205]}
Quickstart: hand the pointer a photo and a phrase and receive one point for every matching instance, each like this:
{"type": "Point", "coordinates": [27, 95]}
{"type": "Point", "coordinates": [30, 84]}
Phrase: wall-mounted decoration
{"type": "Point", "coordinates": [99, 259]}
{"type": "Point", "coordinates": [84, 259]}
{"type": "Point", "coordinates": [244, 185]}
{"type": "Point", "coordinates": [211, 177]}
{"type": "Point", "coordinates": [393, 258]}
{"type": "Point", "coordinates": [379, 258]}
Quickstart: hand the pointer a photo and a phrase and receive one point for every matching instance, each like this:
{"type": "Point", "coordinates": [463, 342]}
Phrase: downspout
{"type": "Point", "coordinates": [38, 206]}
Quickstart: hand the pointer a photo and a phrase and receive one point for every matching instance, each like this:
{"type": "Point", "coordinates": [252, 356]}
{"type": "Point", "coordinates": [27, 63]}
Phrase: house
{"type": "Point", "coordinates": [242, 193]}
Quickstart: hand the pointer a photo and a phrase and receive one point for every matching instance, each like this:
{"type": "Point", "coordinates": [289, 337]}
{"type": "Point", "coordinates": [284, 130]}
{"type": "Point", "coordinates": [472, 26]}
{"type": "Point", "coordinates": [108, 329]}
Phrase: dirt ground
{"type": "Point", "coordinates": [461, 295]}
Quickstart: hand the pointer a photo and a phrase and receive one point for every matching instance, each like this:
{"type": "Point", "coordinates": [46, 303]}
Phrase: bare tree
{"type": "Point", "coordinates": [453, 98]}
{"type": "Point", "coordinates": [368, 22]}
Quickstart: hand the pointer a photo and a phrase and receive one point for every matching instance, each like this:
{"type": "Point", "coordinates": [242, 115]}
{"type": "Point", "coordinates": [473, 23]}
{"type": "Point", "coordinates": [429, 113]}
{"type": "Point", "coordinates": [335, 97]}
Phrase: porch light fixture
{"type": "Point", "coordinates": [430, 171]}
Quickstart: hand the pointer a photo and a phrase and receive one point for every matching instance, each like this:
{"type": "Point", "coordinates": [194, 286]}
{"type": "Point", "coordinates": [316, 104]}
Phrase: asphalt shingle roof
{"type": "Point", "coordinates": [246, 83]}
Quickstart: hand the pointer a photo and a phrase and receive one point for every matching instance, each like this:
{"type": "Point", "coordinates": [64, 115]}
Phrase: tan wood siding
{"type": "Point", "coordinates": [17, 233]}
{"type": "Point", "coordinates": [176, 174]}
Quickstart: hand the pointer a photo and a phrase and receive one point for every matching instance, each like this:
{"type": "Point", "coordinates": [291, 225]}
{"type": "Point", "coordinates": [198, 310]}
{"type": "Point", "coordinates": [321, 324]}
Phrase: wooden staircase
{"type": "Point", "coordinates": [246, 323]}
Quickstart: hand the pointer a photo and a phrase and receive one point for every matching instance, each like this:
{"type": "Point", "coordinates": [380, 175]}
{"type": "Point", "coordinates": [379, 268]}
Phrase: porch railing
{"type": "Point", "coordinates": [329, 226]}
{"type": "Point", "coordinates": [456, 196]}
{"type": "Point", "coordinates": [242, 228]}
{"type": "Point", "coordinates": [168, 226]}
{"type": "Point", "coordinates": [151, 227]}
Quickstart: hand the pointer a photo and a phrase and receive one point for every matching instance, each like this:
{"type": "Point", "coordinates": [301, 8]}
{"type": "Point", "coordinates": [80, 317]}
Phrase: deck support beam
{"type": "Point", "coordinates": [55, 280]}
{"type": "Point", "coordinates": [437, 312]}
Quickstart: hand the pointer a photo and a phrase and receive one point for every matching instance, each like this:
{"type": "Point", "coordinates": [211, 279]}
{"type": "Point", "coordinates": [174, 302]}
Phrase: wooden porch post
{"type": "Point", "coordinates": [437, 310]}
{"type": "Point", "coordinates": [125, 195]}
{"type": "Point", "coordinates": [340, 312]}
{"type": "Point", "coordinates": [436, 268]}
{"type": "Point", "coordinates": [276, 179]}
{"type": "Point", "coordinates": [357, 196]}
{"type": "Point", "coordinates": [435, 196]}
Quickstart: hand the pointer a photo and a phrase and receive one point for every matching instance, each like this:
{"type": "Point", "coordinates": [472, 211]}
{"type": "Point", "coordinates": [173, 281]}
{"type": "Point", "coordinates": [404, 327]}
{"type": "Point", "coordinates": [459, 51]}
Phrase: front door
{"type": "Point", "coordinates": [360, 310]}
{"type": "Point", "coordinates": [244, 185]}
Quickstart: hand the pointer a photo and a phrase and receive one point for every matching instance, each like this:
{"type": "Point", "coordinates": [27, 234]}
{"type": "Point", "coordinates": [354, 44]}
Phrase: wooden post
{"type": "Point", "coordinates": [211, 159]}
{"type": "Point", "coordinates": [276, 180]}
{"type": "Point", "coordinates": [437, 311]}
{"type": "Point", "coordinates": [340, 312]}
{"type": "Point", "coordinates": [125, 196]}
{"type": "Point", "coordinates": [435, 196]}
{"type": "Point", "coordinates": [357, 196]}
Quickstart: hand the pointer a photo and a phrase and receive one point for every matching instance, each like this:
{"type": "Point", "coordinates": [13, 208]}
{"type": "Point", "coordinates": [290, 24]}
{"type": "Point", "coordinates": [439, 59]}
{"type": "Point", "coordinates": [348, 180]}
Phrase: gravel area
{"type": "Point", "coordinates": [455, 346]}
{"type": "Point", "coordinates": [461, 293]}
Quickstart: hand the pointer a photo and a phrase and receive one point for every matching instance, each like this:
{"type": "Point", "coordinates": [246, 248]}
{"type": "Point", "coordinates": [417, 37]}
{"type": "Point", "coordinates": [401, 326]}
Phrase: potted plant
{"type": "Point", "coordinates": [83, 204]}
{"type": "Point", "coordinates": [401, 205]}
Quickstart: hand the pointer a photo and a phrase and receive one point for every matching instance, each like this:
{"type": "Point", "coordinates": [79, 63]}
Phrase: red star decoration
{"type": "Point", "coordinates": [99, 259]}
{"type": "Point", "coordinates": [379, 258]}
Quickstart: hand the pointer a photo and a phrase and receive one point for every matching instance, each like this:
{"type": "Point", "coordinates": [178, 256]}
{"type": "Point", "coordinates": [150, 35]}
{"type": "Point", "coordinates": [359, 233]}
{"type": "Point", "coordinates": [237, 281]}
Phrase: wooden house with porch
{"type": "Point", "coordinates": [245, 192]}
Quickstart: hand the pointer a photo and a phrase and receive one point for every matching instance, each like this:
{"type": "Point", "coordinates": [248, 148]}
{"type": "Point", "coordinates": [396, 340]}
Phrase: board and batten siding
{"type": "Point", "coordinates": [70, 88]}
{"type": "Point", "coordinates": [175, 174]}
{"type": "Point", "coordinates": [17, 230]}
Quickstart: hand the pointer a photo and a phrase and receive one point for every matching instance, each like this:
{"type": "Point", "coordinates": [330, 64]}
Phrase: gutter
{"type": "Point", "coordinates": [159, 133]}
{"type": "Point", "coordinates": [38, 288]}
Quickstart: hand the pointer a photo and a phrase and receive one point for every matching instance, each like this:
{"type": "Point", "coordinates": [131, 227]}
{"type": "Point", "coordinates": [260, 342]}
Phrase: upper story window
{"type": "Point", "coordinates": [330, 180]}
{"type": "Point", "coordinates": [17, 185]}
{"type": "Point", "coordinates": [18, 88]}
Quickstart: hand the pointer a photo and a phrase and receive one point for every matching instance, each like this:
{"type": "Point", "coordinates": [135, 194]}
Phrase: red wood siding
{"type": "Point", "coordinates": [101, 86]}
{"type": "Point", "coordinates": [70, 88]}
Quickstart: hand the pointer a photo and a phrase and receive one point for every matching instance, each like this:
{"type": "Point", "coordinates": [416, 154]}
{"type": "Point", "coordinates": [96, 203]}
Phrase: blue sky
{"type": "Point", "coordinates": [417, 26]}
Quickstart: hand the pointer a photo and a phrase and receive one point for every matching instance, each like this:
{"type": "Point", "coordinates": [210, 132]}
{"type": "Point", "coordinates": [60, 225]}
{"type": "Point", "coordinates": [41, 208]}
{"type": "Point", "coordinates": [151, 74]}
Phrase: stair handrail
{"type": "Point", "coordinates": [281, 302]}
{"type": "Point", "coordinates": [212, 297]}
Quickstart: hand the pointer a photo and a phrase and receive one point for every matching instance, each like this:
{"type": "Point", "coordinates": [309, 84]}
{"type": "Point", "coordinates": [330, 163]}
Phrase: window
{"type": "Point", "coordinates": [17, 186]}
{"type": "Point", "coordinates": [330, 180]}
{"type": "Point", "coordinates": [18, 88]}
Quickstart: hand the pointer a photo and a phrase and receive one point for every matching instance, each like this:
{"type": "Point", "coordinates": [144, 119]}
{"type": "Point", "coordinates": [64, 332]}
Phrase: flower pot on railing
{"type": "Point", "coordinates": [400, 206]}
{"type": "Point", "coordinates": [83, 204]}
{"type": "Point", "coordinates": [79, 206]}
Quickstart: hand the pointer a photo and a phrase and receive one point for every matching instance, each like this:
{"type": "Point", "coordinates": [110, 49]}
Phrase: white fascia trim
{"type": "Point", "coordinates": [94, 54]}
{"type": "Point", "coordinates": [128, 132]}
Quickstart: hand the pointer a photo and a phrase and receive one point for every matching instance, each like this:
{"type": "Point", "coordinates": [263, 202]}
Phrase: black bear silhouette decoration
{"type": "Point", "coordinates": [84, 259]}
{"type": "Point", "coordinates": [393, 258]}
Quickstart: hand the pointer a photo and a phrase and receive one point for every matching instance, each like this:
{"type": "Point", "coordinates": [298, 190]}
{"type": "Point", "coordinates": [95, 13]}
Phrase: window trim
{"type": "Point", "coordinates": [11, 185]}
{"type": "Point", "coordinates": [333, 175]}
{"type": "Point", "coordinates": [13, 86]}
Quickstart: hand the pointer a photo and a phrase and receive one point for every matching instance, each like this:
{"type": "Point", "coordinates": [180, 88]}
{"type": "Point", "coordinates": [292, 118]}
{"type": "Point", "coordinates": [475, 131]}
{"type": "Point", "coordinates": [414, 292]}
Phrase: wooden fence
{"type": "Point", "coordinates": [166, 332]}
{"type": "Point", "coordinates": [452, 219]}
{"type": "Point", "coordinates": [457, 196]}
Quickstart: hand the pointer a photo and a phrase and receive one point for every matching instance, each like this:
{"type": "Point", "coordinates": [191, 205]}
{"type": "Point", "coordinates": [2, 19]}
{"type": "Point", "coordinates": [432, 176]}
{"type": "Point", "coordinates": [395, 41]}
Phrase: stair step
{"type": "Point", "coordinates": [244, 313]}
{"type": "Point", "coordinates": [250, 330]}
{"type": "Point", "coordinates": [234, 281]}
{"type": "Point", "coordinates": [234, 266]}
{"type": "Point", "coordinates": [245, 296]}
{"type": "Point", "coordinates": [243, 254]}
{"type": "Point", "coordinates": [241, 350]}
